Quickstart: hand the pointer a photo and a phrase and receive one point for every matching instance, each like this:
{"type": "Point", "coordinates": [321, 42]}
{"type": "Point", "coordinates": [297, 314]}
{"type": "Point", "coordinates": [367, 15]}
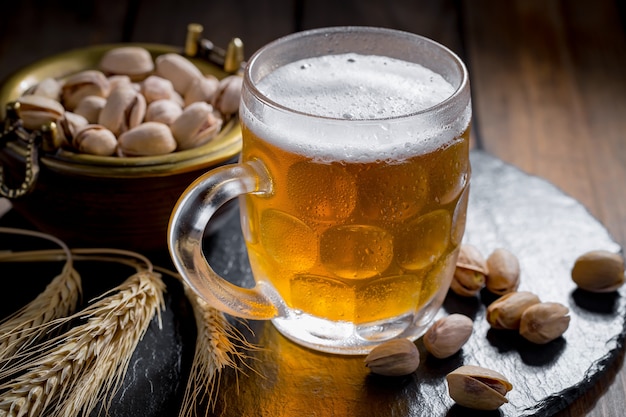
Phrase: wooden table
{"type": "Point", "coordinates": [548, 79]}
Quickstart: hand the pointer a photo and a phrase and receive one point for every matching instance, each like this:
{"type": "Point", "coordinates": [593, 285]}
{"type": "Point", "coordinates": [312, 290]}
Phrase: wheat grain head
{"type": "Point", "coordinates": [59, 299]}
{"type": "Point", "coordinates": [87, 364]}
{"type": "Point", "coordinates": [23, 328]}
{"type": "Point", "coordinates": [219, 345]}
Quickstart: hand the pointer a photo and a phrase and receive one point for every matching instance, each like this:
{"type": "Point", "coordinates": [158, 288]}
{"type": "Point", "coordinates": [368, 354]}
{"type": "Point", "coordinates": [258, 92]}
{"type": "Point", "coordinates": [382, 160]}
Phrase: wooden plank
{"type": "Point", "coordinates": [256, 22]}
{"type": "Point", "coordinates": [598, 57]}
{"type": "Point", "coordinates": [437, 20]}
{"type": "Point", "coordinates": [34, 29]}
{"type": "Point", "coordinates": [548, 83]}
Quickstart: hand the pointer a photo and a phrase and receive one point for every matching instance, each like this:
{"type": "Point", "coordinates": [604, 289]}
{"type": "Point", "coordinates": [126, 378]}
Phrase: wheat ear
{"type": "Point", "coordinates": [219, 345]}
{"type": "Point", "coordinates": [73, 372]}
{"type": "Point", "coordinates": [59, 299]}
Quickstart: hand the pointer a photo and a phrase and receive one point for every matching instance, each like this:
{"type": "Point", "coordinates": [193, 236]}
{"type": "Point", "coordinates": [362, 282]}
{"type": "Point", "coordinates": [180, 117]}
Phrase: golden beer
{"type": "Point", "coordinates": [353, 186]}
{"type": "Point", "coordinates": [356, 241]}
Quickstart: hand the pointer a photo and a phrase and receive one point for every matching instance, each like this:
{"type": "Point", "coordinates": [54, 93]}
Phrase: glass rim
{"type": "Point", "coordinates": [259, 95]}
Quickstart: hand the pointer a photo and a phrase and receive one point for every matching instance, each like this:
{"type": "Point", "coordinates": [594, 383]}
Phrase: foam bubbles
{"type": "Point", "coordinates": [350, 86]}
{"type": "Point", "coordinates": [363, 94]}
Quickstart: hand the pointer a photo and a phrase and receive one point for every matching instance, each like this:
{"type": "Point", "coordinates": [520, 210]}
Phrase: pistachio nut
{"type": "Point", "coordinates": [164, 111]}
{"type": "Point", "coordinates": [132, 61]}
{"type": "Point", "coordinates": [117, 80]}
{"type": "Point", "coordinates": [83, 84]}
{"type": "Point", "coordinates": [226, 99]}
{"type": "Point", "coordinates": [448, 335]}
{"type": "Point", "coordinates": [69, 125]}
{"type": "Point", "coordinates": [544, 322]}
{"type": "Point", "coordinates": [157, 88]}
{"type": "Point", "coordinates": [395, 357]}
{"type": "Point", "coordinates": [470, 272]}
{"type": "Point", "coordinates": [506, 312]}
{"type": "Point", "coordinates": [96, 140]}
{"type": "Point", "coordinates": [504, 272]}
{"type": "Point", "coordinates": [197, 125]}
{"type": "Point", "coordinates": [178, 69]}
{"type": "Point", "coordinates": [90, 108]}
{"type": "Point", "coordinates": [202, 89]}
{"type": "Point", "coordinates": [599, 271]}
{"type": "Point", "coordinates": [125, 108]}
{"type": "Point", "coordinates": [466, 282]}
{"type": "Point", "coordinates": [150, 138]}
{"type": "Point", "coordinates": [36, 111]}
{"type": "Point", "coordinates": [478, 388]}
{"type": "Point", "coordinates": [48, 87]}
{"type": "Point", "coordinates": [470, 257]}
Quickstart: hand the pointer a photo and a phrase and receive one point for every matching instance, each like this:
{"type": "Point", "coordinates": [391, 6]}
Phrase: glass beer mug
{"type": "Point", "coordinates": [353, 185]}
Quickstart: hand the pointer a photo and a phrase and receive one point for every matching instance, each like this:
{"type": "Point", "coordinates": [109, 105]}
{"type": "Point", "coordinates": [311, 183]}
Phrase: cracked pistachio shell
{"type": "Point", "coordinates": [150, 138]}
{"type": "Point", "coordinates": [470, 257]}
{"type": "Point", "coordinates": [132, 61]}
{"type": "Point", "coordinates": [178, 69]}
{"type": "Point", "coordinates": [69, 125]}
{"type": "Point", "coordinates": [506, 312]}
{"type": "Point", "coordinates": [197, 125]}
{"type": "Point", "coordinates": [164, 111]}
{"type": "Point", "coordinates": [48, 87]}
{"type": "Point", "coordinates": [83, 84]}
{"type": "Point", "coordinates": [599, 271]}
{"type": "Point", "coordinates": [478, 388]}
{"type": "Point", "coordinates": [226, 100]}
{"type": "Point", "coordinates": [504, 272]}
{"type": "Point", "coordinates": [36, 111]}
{"type": "Point", "coordinates": [90, 108]}
{"type": "Point", "coordinates": [395, 357]}
{"type": "Point", "coordinates": [125, 108]}
{"type": "Point", "coordinates": [95, 140]}
{"type": "Point", "coordinates": [448, 335]}
{"type": "Point", "coordinates": [470, 272]}
{"type": "Point", "coordinates": [202, 89]}
{"type": "Point", "coordinates": [544, 322]}
{"type": "Point", "coordinates": [467, 282]}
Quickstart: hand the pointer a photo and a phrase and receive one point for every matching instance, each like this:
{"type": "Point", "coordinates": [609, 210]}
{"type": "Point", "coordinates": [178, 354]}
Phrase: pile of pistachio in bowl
{"type": "Point", "coordinates": [133, 105]}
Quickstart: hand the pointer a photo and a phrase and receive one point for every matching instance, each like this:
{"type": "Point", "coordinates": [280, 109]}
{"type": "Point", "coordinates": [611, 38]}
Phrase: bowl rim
{"type": "Point", "coordinates": [225, 146]}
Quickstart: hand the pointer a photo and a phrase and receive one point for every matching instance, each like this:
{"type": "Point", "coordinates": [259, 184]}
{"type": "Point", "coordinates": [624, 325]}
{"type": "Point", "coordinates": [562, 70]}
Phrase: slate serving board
{"type": "Point", "coordinates": [545, 228]}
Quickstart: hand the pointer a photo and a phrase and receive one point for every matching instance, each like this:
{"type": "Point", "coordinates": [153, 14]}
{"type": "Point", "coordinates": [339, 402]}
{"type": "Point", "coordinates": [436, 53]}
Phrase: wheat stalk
{"type": "Point", "coordinates": [219, 345]}
{"type": "Point", "coordinates": [26, 326]}
{"type": "Point", "coordinates": [59, 299]}
{"type": "Point", "coordinates": [71, 373]}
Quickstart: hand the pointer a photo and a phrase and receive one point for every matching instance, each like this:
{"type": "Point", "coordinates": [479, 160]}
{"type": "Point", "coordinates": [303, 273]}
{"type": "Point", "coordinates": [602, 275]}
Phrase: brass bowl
{"type": "Point", "coordinates": [121, 202]}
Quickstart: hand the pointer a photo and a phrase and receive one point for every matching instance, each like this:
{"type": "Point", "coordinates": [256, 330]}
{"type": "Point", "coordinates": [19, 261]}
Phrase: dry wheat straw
{"type": "Point", "coordinates": [71, 373]}
{"type": "Point", "coordinates": [59, 299]}
{"type": "Point", "coordinates": [219, 345]}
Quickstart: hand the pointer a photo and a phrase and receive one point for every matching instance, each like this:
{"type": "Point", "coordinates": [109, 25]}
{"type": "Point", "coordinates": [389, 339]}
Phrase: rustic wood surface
{"type": "Point", "coordinates": [548, 79]}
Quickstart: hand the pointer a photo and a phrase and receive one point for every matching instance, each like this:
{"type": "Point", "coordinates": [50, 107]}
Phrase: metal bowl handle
{"type": "Point", "coordinates": [14, 132]}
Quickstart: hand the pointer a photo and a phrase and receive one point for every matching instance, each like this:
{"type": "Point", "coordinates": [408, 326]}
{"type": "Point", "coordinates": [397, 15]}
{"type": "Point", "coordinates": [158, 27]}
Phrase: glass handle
{"type": "Point", "coordinates": [190, 218]}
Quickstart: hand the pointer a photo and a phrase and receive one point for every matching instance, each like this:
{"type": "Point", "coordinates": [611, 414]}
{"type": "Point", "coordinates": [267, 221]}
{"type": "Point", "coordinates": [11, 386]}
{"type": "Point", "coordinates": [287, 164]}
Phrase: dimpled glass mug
{"type": "Point", "coordinates": [353, 183]}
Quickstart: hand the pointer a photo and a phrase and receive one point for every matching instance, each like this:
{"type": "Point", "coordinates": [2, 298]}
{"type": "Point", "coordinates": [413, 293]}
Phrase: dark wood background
{"type": "Point", "coordinates": [548, 79]}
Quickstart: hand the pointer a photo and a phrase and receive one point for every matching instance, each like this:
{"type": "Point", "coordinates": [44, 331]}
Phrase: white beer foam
{"type": "Point", "coordinates": [366, 94]}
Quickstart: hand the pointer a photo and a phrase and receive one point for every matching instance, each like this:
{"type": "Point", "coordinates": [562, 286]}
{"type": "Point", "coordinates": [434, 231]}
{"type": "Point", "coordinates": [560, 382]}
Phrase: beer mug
{"type": "Point", "coordinates": [353, 185]}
